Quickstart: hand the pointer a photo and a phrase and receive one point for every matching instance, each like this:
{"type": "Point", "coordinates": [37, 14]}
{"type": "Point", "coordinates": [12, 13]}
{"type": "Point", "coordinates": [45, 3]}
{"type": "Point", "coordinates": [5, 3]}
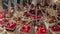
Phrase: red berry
{"type": "Point", "coordinates": [1, 16]}
{"type": "Point", "coordinates": [23, 27]}
{"type": "Point", "coordinates": [5, 20]}
{"type": "Point", "coordinates": [55, 28]}
{"type": "Point", "coordinates": [39, 17]}
{"type": "Point", "coordinates": [27, 28]}
{"type": "Point", "coordinates": [1, 22]}
{"type": "Point", "coordinates": [35, 17]}
{"type": "Point", "coordinates": [11, 25]}
{"type": "Point", "coordinates": [42, 30]}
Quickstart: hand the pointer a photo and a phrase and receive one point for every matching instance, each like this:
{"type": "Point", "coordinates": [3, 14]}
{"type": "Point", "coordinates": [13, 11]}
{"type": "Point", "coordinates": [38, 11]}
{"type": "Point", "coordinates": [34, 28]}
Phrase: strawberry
{"type": "Point", "coordinates": [1, 16]}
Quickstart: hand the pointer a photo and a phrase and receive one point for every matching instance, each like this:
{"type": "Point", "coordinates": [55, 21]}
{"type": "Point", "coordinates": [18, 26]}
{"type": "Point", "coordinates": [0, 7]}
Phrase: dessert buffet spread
{"type": "Point", "coordinates": [31, 19]}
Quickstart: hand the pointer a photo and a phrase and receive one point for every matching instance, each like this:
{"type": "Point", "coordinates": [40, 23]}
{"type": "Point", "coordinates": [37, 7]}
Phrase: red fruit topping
{"type": "Point", "coordinates": [25, 28]}
{"type": "Point", "coordinates": [39, 17]}
{"type": "Point", "coordinates": [11, 26]}
{"type": "Point", "coordinates": [35, 17]}
{"type": "Point", "coordinates": [1, 22]}
{"type": "Point", "coordinates": [1, 16]}
{"type": "Point", "coordinates": [55, 28]}
{"type": "Point", "coordinates": [5, 20]}
{"type": "Point", "coordinates": [41, 31]}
